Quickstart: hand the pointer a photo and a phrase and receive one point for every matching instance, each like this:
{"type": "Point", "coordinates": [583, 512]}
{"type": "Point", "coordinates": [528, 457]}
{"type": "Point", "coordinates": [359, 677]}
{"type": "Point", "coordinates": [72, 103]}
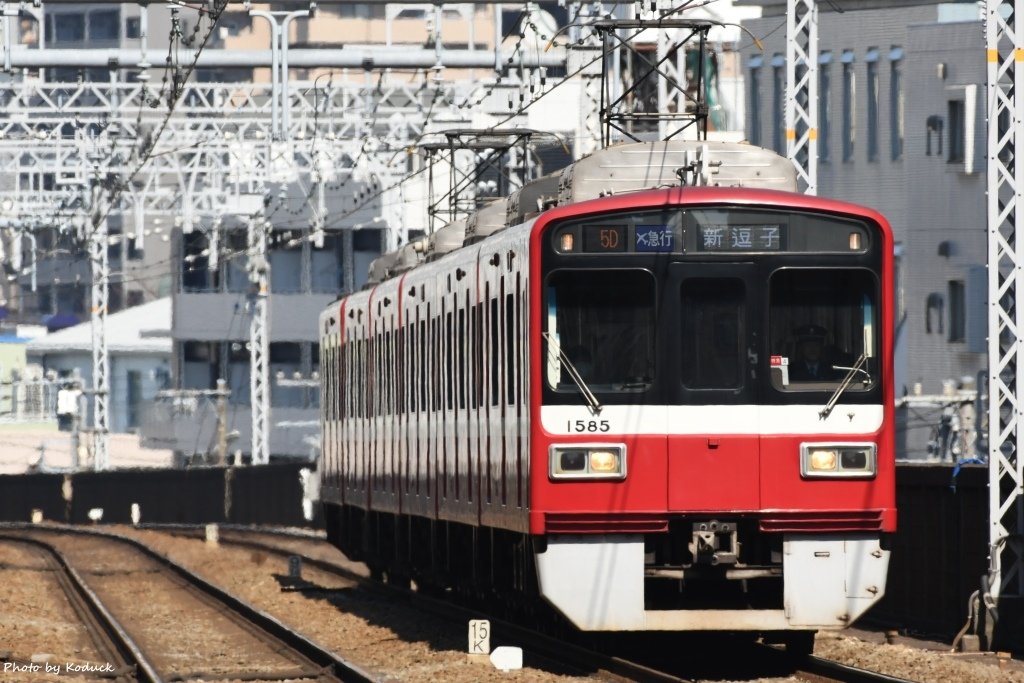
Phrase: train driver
{"type": "Point", "coordinates": [814, 361]}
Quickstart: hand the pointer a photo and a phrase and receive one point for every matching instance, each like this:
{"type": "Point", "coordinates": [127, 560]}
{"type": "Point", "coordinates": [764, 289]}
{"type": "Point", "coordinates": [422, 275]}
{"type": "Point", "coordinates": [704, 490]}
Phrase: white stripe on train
{"type": "Point", "coordinates": [713, 419]}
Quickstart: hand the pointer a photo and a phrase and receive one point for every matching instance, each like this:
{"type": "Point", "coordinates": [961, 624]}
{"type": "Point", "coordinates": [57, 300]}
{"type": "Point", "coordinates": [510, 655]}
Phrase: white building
{"type": "Point", "coordinates": [139, 345]}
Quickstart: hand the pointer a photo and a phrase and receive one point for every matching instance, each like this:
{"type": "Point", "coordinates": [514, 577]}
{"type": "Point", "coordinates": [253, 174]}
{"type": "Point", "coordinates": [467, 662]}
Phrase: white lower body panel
{"type": "Point", "coordinates": [597, 582]}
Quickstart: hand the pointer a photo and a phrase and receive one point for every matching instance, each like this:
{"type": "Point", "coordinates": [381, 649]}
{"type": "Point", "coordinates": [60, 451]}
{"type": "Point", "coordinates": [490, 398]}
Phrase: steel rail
{"type": "Point", "coordinates": [332, 664]}
{"type": "Point", "coordinates": [555, 650]}
{"type": "Point", "coordinates": [812, 665]}
{"type": "Point", "coordinates": [97, 618]}
{"type": "Point", "coordinates": [821, 669]}
{"type": "Point", "coordinates": [819, 666]}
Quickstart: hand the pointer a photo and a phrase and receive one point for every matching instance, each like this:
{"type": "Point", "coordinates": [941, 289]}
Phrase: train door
{"type": "Point", "coordinates": [712, 355]}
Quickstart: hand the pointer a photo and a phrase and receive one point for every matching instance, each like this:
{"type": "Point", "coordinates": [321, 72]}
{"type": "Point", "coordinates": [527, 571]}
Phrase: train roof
{"type": "Point", "coordinates": [613, 171]}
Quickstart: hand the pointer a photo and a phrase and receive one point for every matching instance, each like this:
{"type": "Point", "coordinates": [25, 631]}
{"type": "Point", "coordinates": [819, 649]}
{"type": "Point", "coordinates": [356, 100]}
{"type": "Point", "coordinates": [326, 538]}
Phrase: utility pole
{"type": "Point", "coordinates": [100, 266]}
{"type": "Point", "coordinates": [222, 422]}
{"type": "Point", "coordinates": [259, 344]}
{"type": "Point", "coordinates": [802, 90]}
{"type": "Point", "coordinates": [1005, 176]}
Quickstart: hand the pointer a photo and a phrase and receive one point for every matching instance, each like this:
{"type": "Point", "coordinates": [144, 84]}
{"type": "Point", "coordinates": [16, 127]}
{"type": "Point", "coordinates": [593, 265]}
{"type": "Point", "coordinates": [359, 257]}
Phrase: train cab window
{"type": "Point", "coordinates": [604, 322]}
{"type": "Point", "coordinates": [713, 334]}
{"type": "Point", "coordinates": [822, 324]}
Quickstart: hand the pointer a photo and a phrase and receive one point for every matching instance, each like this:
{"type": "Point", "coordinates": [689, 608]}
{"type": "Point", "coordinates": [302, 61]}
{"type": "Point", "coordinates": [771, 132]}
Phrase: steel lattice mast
{"type": "Point", "coordinates": [1005, 53]}
{"type": "Point", "coordinates": [802, 90]}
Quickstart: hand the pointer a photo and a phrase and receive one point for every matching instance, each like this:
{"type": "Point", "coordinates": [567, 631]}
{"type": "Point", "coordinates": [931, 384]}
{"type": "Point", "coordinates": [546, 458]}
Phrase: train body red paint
{"type": "Point", "coordinates": [669, 409]}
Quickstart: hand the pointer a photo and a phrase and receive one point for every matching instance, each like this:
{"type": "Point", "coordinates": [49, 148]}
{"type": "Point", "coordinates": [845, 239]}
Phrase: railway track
{"type": "Point", "coordinates": [816, 669]}
{"type": "Point", "coordinates": [121, 658]}
{"type": "Point", "coordinates": [246, 644]}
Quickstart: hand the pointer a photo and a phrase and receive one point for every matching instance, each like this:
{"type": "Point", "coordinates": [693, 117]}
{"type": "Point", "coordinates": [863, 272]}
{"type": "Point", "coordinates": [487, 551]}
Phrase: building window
{"type": "Point", "coordinates": [872, 66]}
{"type": "Point", "coordinates": [201, 365]}
{"type": "Point", "coordinates": [132, 28]}
{"type": "Point", "coordinates": [824, 105]}
{"type": "Point", "coordinates": [233, 23]}
{"type": "Point", "coordinates": [286, 268]}
{"type": "Point", "coordinates": [105, 24]}
{"type": "Point", "coordinates": [957, 310]}
{"type": "Point", "coordinates": [135, 297]}
{"type": "Point", "coordinates": [778, 104]}
{"type": "Point", "coordinates": [134, 398]}
{"type": "Point", "coordinates": [196, 275]}
{"type": "Point", "coordinates": [327, 265]}
{"type": "Point", "coordinates": [134, 251]}
{"type": "Point", "coordinates": [65, 28]}
{"type": "Point", "coordinates": [285, 361]}
{"type": "Point", "coordinates": [755, 102]}
{"type": "Point", "coordinates": [933, 310]}
{"type": "Point", "coordinates": [896, 105]}
{"type": "Point", "coordinates": [933, 132]}
{"type": "Point", "coordinates": [849, 106]}
{"type": "Point", "coordinates": [955, 144]}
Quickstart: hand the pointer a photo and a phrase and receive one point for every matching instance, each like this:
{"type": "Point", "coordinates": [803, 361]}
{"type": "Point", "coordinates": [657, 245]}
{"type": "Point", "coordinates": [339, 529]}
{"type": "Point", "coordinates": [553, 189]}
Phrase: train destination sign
{"type": "Point", "coordinates": [731, 237]}
{"type": "Point", "coordinates": [653, 238]}
{"type": "Point", "coordinates": [604, 238]}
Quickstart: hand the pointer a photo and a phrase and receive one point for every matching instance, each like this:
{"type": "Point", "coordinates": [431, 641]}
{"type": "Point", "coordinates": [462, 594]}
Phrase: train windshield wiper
{"type": "Point", "coordinates": [827, 410]}
{"type": "Point", "coordinates": [574, 375]}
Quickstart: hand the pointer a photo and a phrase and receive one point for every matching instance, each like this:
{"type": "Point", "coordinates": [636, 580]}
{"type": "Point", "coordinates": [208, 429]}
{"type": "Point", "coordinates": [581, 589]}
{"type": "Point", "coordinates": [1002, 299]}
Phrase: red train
{"type": "Point", "coordinates": [658, 409]}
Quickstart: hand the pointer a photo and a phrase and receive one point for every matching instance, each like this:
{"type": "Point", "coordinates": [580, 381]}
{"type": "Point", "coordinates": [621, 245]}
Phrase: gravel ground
{"type": "Point", "coordinates": [404, 644]}
{"type": "Point", "coordinates": [914, 659]}
{"type": "Point", "coordinates": [36, 619]}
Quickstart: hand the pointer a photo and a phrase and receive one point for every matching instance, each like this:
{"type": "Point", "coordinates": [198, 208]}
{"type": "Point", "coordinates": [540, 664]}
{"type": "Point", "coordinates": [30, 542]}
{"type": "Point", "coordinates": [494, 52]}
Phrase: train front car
{"type": "Point", "coordinates": [712, 444]}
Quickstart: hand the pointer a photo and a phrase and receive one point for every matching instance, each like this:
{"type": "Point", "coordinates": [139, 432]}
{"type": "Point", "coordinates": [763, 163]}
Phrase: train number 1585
{"type": "Point", "coordinates": [593, 426]}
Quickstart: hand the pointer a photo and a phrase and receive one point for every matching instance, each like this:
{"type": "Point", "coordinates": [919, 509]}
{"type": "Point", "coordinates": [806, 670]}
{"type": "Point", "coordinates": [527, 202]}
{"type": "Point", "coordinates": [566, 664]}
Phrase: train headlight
{"type": "Point", "coordinates": [588, 461]}
{"type": "Point", "coordinates": [845, 460]}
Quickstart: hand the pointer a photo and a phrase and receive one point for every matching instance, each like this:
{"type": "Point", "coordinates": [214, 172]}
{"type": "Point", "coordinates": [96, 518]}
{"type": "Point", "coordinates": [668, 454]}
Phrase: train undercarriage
{"type": "Point", "coordinates": [708, 574]}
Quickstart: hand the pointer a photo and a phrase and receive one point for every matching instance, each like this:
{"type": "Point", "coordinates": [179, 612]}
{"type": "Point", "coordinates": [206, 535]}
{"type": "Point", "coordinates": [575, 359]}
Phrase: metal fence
{"type": "Point", "coordinates": [28, 401]}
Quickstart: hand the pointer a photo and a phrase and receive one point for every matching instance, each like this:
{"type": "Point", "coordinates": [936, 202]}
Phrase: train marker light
{"type": "Point", "coordinates": [838, 460]}
{"type": "Point", "coordinates": [854, 241]}
{"type": "Point", "coordinates": [587, 461]}
{"type": "Point", "coordinates": [566, 241]}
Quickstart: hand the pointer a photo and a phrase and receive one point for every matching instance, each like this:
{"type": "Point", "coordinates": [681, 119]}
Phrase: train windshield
{"type": "Point", "coordinates": [822, 324]}
{"type": "Point", "coordinates": [604, 322]}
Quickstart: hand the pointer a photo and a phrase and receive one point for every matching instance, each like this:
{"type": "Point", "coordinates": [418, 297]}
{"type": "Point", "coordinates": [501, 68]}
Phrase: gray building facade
{"type": "Point", "coordinates": [211, 319]}
{"type": "Point", "coordinates": [901, 129]}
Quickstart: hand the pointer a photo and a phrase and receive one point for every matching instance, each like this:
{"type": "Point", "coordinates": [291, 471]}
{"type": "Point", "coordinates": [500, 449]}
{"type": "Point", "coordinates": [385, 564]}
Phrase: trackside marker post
{"type": "Point", "coordinates": [479, 639]}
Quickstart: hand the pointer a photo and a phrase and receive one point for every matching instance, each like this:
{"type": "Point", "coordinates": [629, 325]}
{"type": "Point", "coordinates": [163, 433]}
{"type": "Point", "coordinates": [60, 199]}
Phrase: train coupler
{"type": "Point", "coordinates": [714, 543]}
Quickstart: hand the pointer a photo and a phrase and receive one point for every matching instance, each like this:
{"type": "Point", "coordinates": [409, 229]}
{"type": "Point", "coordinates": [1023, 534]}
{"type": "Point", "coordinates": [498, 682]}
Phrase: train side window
{"type": "Point", "coordinates": [342, 392]}
{"type": "Point", "coordinates": [358, 375]}
{"type": "Point", "coordinates": [449, 342]}
{"type": "Point", "coordinates": [421, 342]}
{"type": "Point", "coordinates": [521, 374]}
{"type": "Point", "coordinates": [434, 355]}
{"type": "Point", "coordinates": [325, 387]}
{"type": "Point", "coordinates": [510, 349]}
{"type": "Point", "coordinates": [372, 371]}
{"type": "Point", "coordinates": [462, 361]}
{"type": "Point", "coordinates": [400, 382]}
{"type": "Point", "coordinates": [388, 367]}
{"type": "Point", "coordinates": [346, 360]}
{"type": "Point", "coordinates": [477, 393]}
{"type": "Point", "coordinates": [413, 368]}
{"type": "Point", "coordinates": [713, 335]}
{"type": "Point", "coordinates": [495, 349]}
